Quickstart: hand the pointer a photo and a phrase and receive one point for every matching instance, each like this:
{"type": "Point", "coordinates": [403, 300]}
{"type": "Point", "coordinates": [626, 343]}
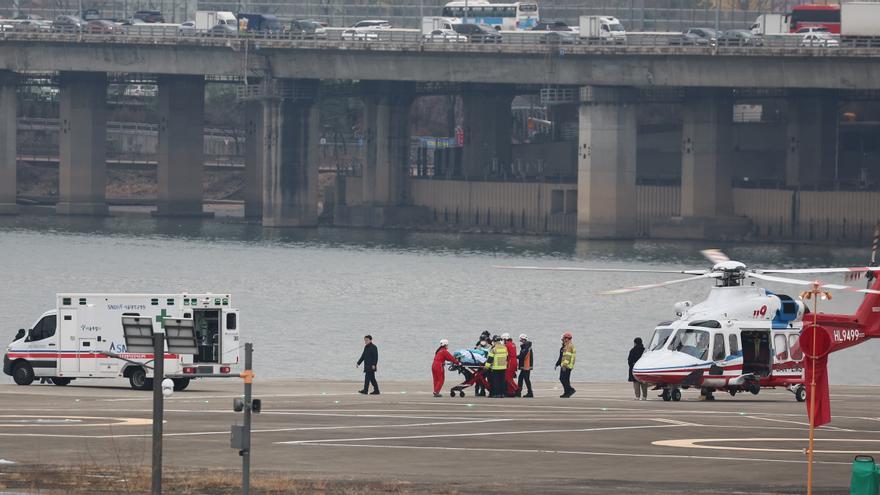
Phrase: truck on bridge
{"type": "Point", "coordinates": [206, 19]}
{"type": "Point", "coordinates": [860, 23]}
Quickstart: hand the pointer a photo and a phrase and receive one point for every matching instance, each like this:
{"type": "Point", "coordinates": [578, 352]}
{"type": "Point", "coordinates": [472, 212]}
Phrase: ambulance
{"type": "Point", "coordinates": [83, 338]}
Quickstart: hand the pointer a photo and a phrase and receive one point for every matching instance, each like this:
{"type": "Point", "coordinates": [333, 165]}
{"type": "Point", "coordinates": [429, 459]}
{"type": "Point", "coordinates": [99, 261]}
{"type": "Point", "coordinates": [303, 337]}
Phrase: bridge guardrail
{"type": "Point", "coordinates": [563, 43]}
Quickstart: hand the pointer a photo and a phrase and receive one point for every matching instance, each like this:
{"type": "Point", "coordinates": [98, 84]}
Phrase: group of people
{"type": "Point", "coordinates": [508, 370]}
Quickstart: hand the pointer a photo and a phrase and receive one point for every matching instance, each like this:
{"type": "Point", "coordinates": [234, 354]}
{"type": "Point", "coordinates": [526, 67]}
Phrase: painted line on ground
{"type": "Point", "coordinates": [575, 452]}
{"type": "Point", "coordinates": [112, 421]}
{"type": "Point", "coordinates": [697, 443]}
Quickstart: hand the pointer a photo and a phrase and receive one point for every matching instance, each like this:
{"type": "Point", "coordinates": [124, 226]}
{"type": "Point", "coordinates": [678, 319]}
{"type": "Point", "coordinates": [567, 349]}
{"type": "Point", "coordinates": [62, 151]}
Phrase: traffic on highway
{"type": "Point", "coordinates": [822, 28]}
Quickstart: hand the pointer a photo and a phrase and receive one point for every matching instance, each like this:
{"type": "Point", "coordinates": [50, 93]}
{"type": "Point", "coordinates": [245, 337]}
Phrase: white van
{"type": "Point", "coordinates": [83, 338]}
{"type": "Point", "coordinates": [606, 29]}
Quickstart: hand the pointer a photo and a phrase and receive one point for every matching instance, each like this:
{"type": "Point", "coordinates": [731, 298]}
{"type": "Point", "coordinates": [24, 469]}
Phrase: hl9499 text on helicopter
{"type": "Point", "coordinates": [743, 337]}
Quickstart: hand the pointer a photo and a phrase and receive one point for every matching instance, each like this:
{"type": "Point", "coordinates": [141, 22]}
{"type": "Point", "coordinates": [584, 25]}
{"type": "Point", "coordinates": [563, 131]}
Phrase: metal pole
{"type": "Point", "coordinates": [246, 450]}
{"type": "Point", "coordinates": [158, 409]}
{"type": "Point", "coordinates": [717, 15]}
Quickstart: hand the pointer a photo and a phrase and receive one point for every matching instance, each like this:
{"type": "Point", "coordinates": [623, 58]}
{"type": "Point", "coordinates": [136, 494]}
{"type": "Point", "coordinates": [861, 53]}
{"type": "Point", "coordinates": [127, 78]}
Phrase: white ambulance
{"type": "Point", "coordinates": [83, 338]}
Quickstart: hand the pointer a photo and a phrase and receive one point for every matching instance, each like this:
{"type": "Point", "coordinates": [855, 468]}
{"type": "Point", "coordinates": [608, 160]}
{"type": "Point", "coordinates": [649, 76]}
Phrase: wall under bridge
{"type": "Point", "coordinates": [551, 208]}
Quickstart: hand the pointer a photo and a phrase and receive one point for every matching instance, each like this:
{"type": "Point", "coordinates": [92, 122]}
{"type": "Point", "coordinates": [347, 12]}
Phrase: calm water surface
{"type": "Point", "coordinates": [308, 296]}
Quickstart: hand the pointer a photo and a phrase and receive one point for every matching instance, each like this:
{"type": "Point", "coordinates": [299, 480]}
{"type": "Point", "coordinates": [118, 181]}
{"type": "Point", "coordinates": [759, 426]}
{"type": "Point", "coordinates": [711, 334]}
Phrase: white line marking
{"type": "Point", "coordinates": [575, 452]}
{"type": "Point", "coordinates": [479, 434]}
{"type": "Point", "coordinates": [696, 443]}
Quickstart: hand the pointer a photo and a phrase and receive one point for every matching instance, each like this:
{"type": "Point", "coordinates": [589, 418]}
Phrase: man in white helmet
{"type": "Point", "coordinates": [441, 355]}
{"type": "Point", "coordinates": [525, 365]}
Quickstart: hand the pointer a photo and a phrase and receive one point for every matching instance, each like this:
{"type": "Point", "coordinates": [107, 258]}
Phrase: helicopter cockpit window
{"type": "Point", "coordinates": [693, 342]}
{"type": "Point", "coordinates": [661, 335]}
{"type": "Point", "coordinates": [718, 348]}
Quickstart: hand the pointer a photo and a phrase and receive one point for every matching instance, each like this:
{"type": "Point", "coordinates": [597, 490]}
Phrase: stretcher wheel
{"type": "Point", "coordinates": [452, 393]}
{"type": "Point", "coordinates": [461, 394]}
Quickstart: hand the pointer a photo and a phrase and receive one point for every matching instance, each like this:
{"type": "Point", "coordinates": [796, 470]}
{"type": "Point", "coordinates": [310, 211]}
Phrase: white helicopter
{"type": "Point", "coordinates": [742, 337]}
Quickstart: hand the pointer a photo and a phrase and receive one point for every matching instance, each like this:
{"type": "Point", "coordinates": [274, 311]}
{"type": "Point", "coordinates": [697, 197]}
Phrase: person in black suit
{"type": "Point", "coordinates": [370, 358]}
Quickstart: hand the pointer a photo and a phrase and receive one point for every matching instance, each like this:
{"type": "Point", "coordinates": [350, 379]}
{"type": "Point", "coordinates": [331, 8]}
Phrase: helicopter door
{"type": "Point", "coordinates": [756, 352]}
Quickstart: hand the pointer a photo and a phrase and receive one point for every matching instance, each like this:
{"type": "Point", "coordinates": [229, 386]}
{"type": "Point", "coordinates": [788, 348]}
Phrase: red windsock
{"type": "Point", "coordinates": [816, 371]}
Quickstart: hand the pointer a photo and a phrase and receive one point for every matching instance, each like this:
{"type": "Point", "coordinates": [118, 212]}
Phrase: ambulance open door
{"type": "Point", "coordinates": [229, 344]}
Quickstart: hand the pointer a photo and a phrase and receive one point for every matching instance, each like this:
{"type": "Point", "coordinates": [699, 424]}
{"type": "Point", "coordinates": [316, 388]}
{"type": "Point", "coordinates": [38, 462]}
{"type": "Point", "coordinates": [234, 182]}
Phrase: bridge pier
{"type": "Point", "coordinates": [606, 206]}
{"type": "Point", "coordinates": [253, 170]}
{"type": "Point", "coordinates": [180, 153]}
{"type": "Point", "coordinates": [82, 140]}
{"type": "Point", "coordinates": [706, 172]}
{"type": "Point", "coordinates": [290, 129]}
{"type": "Point", "coordinates": [809, 128]}
{"type": "Point", "coordinates": [488, 125]}
{"type": "Point", "coordinates": [8, 150]}
{"type": "Point", "coordinates": [386, 198]}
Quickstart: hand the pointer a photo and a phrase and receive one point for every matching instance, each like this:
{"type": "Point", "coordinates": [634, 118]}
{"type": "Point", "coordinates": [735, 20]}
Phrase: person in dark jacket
{"type": "Point", "coordinates": [525, 365]}
{"type": "Point", "coordinates": [370, 358]}
{"type": "Point", "coordinates": [641, 389]}
{"type": "Point", "coordinates": [482, 343]}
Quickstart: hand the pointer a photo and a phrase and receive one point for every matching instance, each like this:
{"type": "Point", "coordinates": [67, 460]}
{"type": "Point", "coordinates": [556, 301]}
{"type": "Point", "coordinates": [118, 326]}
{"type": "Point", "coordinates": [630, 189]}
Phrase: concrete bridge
{"type": "Point", "coordinates": [287, 76]}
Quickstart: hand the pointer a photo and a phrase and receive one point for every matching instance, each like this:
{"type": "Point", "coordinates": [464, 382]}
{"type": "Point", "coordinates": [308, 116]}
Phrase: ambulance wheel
{"type": "Point", "coordinates": [665, 395]}
{"type": "Point", "coordinates": [138, 379]}
{"type": "Point", "coordinates": [61, 381]}
{"type": "Point", "coordinates": [800, 394]}
{"type": "Point", "coordinates": [676, 395]}
{"type": "Point", "coordinates": [23, 374]}
{"type": "Point", "coordinates": [180, 383]}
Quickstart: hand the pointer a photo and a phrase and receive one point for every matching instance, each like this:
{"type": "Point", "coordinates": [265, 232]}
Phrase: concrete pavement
{"type": "Point", "coordinates": [599, 441]}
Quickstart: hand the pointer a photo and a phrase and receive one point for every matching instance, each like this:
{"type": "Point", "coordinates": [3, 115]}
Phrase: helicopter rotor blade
{"type": "Point", "coordinates": [612, 270]}
{"type": "Point", "coordinates": [795, 281]}
{"type": "Point", "coordinates": [856, 269]}
{"type": "Point", "coordinates": [636, 288]}
{"type": "Point", "coordinates": [715, 256]}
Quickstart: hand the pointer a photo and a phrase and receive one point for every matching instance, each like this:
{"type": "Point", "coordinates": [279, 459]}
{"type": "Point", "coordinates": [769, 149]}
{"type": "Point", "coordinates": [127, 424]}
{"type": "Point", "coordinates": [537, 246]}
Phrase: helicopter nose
{"type": "Point", "coordinates": [666, 366]}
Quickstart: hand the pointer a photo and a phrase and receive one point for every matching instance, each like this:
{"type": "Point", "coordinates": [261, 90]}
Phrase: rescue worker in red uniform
{"type": "Point", "coordinates": [512, 365]}
{"type": "Point", "coordinates": [441, 355]}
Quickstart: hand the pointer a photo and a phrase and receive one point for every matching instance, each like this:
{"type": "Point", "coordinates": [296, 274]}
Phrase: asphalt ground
{"type": "Point", "coordinates": [599, 441]}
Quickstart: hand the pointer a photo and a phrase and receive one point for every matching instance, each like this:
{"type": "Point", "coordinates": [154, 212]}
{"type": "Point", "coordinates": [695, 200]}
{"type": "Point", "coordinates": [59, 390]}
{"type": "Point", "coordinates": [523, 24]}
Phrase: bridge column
{"type": "Point", "coordinates": [181, 149]}
{"type": "Point", "coordinates": [809, 128]}
{"type": "Point", "coordinates": [606, 206]}
{"type": "Point", "coordinates": [253, 171]}
{"type": "Point", "coordinates": [290, 129]}
{"type": "Point", "coordinates": [488, 125]}
{"type": "Point", "coordinates": [82, 140]}
{"type": "Point", "coordinates": [706, 172]}
{"type": "Point", "coordinates": [8, 150]}
{"type": "Point", "coordinates": [386, 199]}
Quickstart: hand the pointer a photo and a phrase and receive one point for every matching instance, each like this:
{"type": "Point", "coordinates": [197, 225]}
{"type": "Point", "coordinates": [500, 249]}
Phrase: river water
{"type": "Point", "coordinates": [308, 296]}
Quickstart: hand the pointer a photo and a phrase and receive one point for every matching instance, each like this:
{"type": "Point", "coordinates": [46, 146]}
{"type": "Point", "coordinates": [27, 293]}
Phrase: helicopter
{"type": "Point", "coordinates": [742, 337]}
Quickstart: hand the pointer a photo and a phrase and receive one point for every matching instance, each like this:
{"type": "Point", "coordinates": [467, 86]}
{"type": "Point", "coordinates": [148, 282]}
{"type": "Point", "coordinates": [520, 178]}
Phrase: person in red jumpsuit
{"type": "Point", "coordinates": [441, 355]}
{"type": "Point", "coordinates": [512, 364]}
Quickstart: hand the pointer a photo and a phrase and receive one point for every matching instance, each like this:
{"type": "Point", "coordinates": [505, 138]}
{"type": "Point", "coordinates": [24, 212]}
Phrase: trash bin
{"type": "Point", "coordinates": [864, 476]}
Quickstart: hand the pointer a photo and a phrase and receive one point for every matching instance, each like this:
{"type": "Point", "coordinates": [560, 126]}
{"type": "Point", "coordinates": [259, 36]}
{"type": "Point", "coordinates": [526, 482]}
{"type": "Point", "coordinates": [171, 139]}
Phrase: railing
{"type": "Point", "coordinates": [400, 39]}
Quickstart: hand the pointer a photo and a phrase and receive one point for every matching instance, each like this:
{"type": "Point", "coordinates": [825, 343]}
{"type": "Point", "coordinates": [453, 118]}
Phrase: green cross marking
{"type": "Point", "coordinates": [161, 318]}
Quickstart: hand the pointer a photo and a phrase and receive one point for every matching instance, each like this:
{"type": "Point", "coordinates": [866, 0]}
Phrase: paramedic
{"type": "Point", "coordinates": [441, 355]}
{"type": "Point", "coordinates": [482, 343]}
{"type": "Point", "coordinates": [525, 365]}
{"type": "Point", "coordinates": [566, 362]}
{"type": "Point", "coordinates": [370, 358]}
{"type": "Point", "coordinates": [496, 363]}
{"type": "Point", "coordinates": [510, 372]}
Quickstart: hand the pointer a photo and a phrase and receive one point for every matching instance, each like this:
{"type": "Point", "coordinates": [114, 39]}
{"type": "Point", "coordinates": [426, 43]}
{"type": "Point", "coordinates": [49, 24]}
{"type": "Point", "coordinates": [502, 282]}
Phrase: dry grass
{"type": "Point", "coordinates": [93, 479]}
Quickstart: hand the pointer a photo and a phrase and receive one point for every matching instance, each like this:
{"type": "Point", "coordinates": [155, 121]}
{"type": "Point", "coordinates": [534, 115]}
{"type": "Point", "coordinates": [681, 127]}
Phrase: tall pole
{"type": "Point", "coordinates": [717, 15]}
{"type": "Point", "coordinates": [248, 376]}
{"type": "Point", "coordinates": [158, 408]}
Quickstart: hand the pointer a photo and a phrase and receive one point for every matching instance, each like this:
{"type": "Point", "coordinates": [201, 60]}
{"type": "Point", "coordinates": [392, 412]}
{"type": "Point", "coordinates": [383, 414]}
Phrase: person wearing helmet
{"type": "Point", "coordinates": [512, 365]}
{"type": "Point", "coordinates": [566, 362]}
{"type": "Point", "coordinates": [482, 343]}
{"type": "Point", "coordinates": [525, 366]}
{"type": "Point", "coordinates": [496, 363]}
{"type": "Point", "coordinates": [441, 355]}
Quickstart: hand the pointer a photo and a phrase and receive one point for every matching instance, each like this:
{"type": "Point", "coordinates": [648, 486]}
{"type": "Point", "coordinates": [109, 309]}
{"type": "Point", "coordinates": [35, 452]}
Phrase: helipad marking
{"type": "Point", "coordinates": [696, 443]}
{"type": "Point", "coordinates": [71, 421]}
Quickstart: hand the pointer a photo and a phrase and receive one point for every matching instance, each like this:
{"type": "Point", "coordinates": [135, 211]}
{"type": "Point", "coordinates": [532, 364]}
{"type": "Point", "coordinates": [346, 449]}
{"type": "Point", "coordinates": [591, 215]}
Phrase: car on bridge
{"type": "Point", "coordinates": [697, 37]}
{"type": "Point", "coordinates": [102, 26]}
{"type": "Point", "coordinates": [739, 37]}
{"type": "Point", "coordinates": [445, 36]}
{"type": "Point", "coordinates": [223, 31]}
{"type": "Point", "coordinates": [149, 16]}
{"type": "Point", "coordinates": [366, 30]}
{"type": "Point", "coordinates": [307, 29]}
{"type": "Point", "coordinates": [556, 32]}
{"type": "Point", "coordinates": [187, 28]}
{"type": "Point", "coordinates": [68, 24]}
{"type": "Point", "coordinates": [820, 39]}
{"type": "Point", "coordinates": [477, 34]}
{"type": "Point", "coordinates": [33, 26]}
